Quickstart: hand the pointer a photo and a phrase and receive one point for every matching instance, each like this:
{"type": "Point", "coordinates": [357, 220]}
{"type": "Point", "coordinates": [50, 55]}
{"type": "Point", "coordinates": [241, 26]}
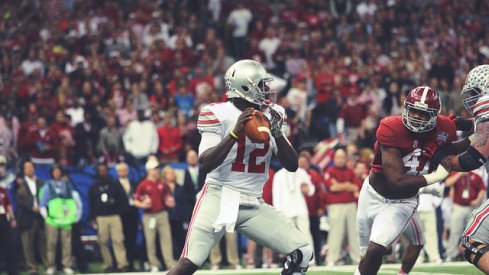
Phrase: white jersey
{"type": "Point", "coordinates": [245, 168]}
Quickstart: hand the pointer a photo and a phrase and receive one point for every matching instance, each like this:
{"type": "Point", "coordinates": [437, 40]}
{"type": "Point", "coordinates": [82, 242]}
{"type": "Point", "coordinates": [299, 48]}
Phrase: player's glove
{"type": "Point", "coordinates": [428, 149]}
{"type": "Point", "coordinates": [276, 123]}
{"type": "Point", "coordinates": [432, 152]}
{"type": "Point", "coordinates": [462, 124]}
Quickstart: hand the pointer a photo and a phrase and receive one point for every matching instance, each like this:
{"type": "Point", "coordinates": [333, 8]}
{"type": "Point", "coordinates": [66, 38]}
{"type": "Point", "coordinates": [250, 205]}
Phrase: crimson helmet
{"type": "Point", "coordinates": [425, 102]}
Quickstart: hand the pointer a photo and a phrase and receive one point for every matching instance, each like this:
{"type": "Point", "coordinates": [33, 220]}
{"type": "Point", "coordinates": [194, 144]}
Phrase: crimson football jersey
{"type": "Point", "coordinates": [393, 133]}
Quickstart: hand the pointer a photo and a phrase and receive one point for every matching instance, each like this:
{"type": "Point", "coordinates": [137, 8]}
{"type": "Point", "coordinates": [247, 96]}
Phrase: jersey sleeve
{"type": "Point", "coordinates": [208, 121]}
{"type": "Point", "coordinates": [386, 134]}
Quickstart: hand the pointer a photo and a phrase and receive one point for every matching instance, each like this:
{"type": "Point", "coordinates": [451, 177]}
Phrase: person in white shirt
{"type": "Point", "coordinates": [238, 20]}
{"type": "Point", "coordinates": [140, 138]}
{"type": "Point", "coordinates": [269, 45]}
{"type": "Point", "coordinates": [32, 64]}
{"type": "Point", "coordinates": [288, 191]}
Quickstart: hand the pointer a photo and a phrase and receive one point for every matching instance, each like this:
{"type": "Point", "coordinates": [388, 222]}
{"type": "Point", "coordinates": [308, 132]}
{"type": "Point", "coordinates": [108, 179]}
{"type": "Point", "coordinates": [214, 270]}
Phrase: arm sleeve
{"type": "Point", "coordinates": [208, 122]}
{"type": "Point", "coordinates": [386, 135]}
{"type": "Point", "coordinates": [209, 140]}
{"type": "Point", "coordinates": [45, 195]}
{"type": "Point", "coordinates": [79, 205]}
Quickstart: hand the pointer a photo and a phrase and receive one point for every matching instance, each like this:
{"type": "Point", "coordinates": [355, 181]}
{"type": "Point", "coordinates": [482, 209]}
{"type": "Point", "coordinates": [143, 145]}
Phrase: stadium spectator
{"type": "Point", "coordinates": [429, 200]}
{"type": "Point", "coordinates": [193, 180]}
{"type": "Point", "coordinates": [170, 141]}
{"type": "Point", "coordinates": [29, 220]}
{"type": "Point", "coordinates": [138, 146]}
{"type": "Point", "coordinates": [7, 224]}
{"type": "Point", "coordinates": [180, 214]}
{"type": "Point", "coordinates": [59, 209]}
{"type": "Point", "coordinates": [315, 204]}
{"type": "Point", "coordinates": [6, 175]}
{"type": "Point", "coordinates": [42, 142]}
{"type": "Point", "coordinates": [63, 132]}
{"type": "Point", "coordinates": [154, 197]}
{"type": "Point", "coordinates": [341, 200]}
{"type": "Point", "coordinates": [238, 22]}
{"type": "Point", "coordinates": [289, 191]}
{"type": "Point", "coordinates": [110, 141]}
{"type": "Point", "coordinates": [86, 139]}
{"type": "Point", "coordinates": [232, 254]}
{"type": "Point", "coordinates": [130, 214]}
{"type": "Point", "coordinates": [467, 192]}
{"type": "Point", "coordinates": [106, 201]}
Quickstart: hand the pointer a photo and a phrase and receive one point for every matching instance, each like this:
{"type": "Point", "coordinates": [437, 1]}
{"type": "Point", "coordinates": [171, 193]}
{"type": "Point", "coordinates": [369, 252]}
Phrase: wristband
{"type": "Point", "coordinates": [233, 135]}
{"type": "Point", "coordinates": [439, 174]}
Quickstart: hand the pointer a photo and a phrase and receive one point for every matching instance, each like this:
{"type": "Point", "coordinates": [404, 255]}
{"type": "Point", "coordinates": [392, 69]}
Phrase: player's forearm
{"type": "Point", "coordinates": [407, 182]}
{"type": "Point", "coordinates": [287, 154]}
{"type": "Point", "coordinates": [213, 157]}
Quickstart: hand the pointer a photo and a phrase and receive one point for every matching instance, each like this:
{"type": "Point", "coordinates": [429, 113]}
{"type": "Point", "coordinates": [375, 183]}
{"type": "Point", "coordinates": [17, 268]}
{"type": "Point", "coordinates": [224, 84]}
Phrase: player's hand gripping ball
{"type": "Point", "coordinates": [257, 129]}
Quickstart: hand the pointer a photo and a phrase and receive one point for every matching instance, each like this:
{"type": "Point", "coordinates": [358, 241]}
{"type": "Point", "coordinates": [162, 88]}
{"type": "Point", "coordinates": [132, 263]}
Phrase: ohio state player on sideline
{"type": "Point", "coordinates": [475, 239]}
{"type": "Point", "coordinates": [237, 170]}
{"type": "Point", "coordinates": [404, 161]}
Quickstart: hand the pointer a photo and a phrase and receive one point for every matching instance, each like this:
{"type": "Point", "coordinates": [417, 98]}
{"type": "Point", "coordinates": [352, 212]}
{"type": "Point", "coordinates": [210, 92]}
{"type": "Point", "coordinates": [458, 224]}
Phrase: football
{"type": "Point", "coordinates": [257, 129]}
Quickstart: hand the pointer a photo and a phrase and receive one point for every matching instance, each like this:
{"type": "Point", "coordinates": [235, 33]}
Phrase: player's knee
{"type": "Point", "coordinates": [297, 261]}
{"type": "Point", "coordinates": [183, 267]}
{"type": "Point", "coordinates": [374, 249]}
{"type": "Point", "coordinates": [472, 250]}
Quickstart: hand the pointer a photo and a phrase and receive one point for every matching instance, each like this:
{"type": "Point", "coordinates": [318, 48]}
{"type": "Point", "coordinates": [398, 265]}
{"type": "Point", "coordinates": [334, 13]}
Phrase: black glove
{"type": "Point", "coordinates": [462, 124]}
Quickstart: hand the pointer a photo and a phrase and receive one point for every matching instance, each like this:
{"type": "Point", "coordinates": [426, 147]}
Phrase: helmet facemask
{"type": "Point", "coordinates": [476, 85]}
{"type": "Point", "coordinates": [470, 97]}
{"type": "Point", "coordinates": [418, 125]}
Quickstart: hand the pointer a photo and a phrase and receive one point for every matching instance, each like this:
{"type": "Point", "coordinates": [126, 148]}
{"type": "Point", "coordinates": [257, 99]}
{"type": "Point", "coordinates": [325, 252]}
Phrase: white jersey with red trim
{"type": "Point", "coordinates": [245, 168]}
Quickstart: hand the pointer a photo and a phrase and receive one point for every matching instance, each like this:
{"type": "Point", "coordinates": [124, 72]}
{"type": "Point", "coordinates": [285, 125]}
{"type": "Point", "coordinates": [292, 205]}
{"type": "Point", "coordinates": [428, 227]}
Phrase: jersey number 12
{"type": "Point", "coordinates": [253, 167]}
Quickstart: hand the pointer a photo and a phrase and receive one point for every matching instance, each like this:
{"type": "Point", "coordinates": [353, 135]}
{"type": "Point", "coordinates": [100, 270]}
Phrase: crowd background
{"type": "Point", "coordinates": [89, 82]}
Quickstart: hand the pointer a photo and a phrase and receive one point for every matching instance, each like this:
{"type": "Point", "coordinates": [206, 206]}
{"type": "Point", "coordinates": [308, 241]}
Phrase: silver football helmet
{"type": "Point", "coordinates": [476, 85]}
{"type": "Point", "coordinates": [247, 79]}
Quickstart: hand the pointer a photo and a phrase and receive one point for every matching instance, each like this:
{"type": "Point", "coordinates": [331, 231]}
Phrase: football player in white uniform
{"type": "Point", "coordinates": [237, 170]}
{"type": "Point", "coordinates": [475, 96]}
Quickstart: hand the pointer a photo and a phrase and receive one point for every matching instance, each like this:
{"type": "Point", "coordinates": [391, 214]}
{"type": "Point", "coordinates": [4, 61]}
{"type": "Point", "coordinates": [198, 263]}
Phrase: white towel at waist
{"type": "Point", "coordinates": [228, 213]}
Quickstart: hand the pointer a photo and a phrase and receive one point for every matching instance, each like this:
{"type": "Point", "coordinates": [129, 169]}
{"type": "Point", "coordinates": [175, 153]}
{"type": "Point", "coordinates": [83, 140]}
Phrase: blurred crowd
{"type": "Point", "coordinates": [89, 82]}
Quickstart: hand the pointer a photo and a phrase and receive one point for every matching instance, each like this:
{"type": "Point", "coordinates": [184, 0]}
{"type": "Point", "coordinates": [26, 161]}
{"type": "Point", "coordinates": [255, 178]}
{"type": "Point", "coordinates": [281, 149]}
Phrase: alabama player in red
{"type": "Point", "coordinates": [237, 170]}
{"type": "Point", "coordinates": [404, 161]}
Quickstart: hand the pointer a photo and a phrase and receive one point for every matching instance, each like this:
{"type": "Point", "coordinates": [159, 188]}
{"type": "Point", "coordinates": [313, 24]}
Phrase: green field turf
{"type": "Point", "coordinates": [459, 268]}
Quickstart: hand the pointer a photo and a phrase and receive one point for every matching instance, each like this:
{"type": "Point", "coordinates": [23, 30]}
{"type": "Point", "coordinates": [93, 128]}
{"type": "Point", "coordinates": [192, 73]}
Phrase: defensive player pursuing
{"type": "Point", "coordinates": [404, 153]}
{"type": "Point", "coordinates": [475, 96]}
{"type": "Point", "coordinates": [237, 170]}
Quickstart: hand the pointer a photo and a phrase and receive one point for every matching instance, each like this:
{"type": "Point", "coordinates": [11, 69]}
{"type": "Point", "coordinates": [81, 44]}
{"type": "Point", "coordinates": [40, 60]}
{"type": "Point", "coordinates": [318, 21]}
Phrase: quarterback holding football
{"type": "Point", "coordinates": [237, 169]}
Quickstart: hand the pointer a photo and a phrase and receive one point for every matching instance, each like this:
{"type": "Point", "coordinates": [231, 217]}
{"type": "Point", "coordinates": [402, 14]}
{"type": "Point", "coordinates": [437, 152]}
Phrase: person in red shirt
{"type": "Point", "coordinates": [7, 223]}
{"type": "Point", "coordinates": [153, 196]}
{"type": "Point", "coordinates": [342, 208]}
{"type": "Point", "coordinates": [467, 191]}
{"type": "Point", "coordinates": [42, 142]}
{"type": "Point", "coordinates": [350, 119]}
{"type": "Point", "coordinates": [170, 140]}
{"type": "Point", "coordinates": [315, 203]}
